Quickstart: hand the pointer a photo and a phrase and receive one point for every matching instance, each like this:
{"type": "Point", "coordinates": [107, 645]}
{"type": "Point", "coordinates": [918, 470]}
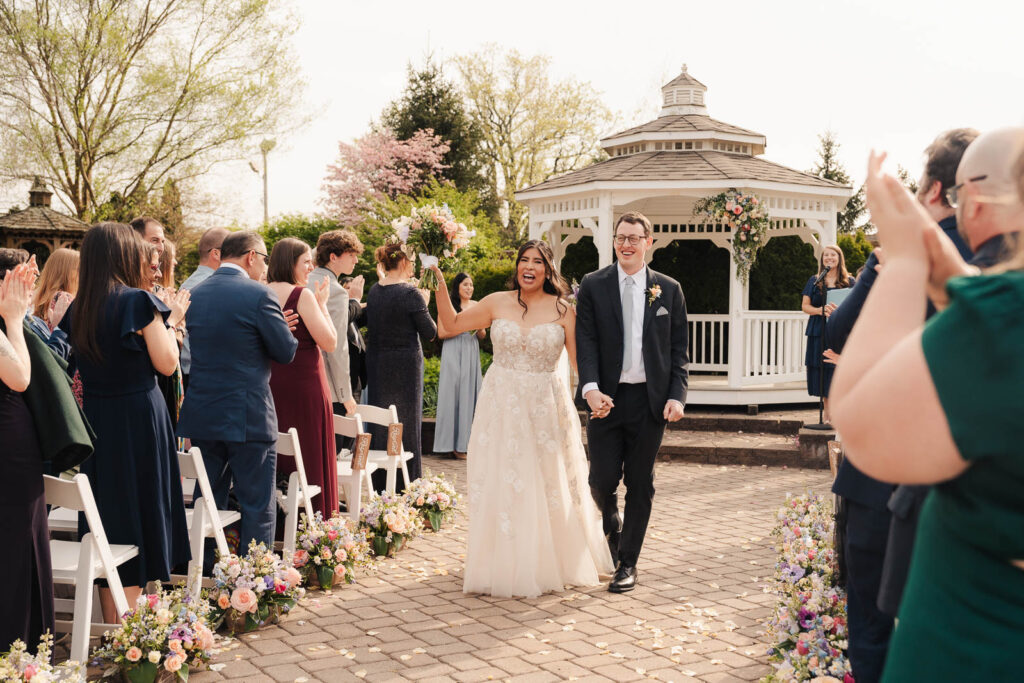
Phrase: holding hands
{"type": "Point", "coordinates": [600, 404]}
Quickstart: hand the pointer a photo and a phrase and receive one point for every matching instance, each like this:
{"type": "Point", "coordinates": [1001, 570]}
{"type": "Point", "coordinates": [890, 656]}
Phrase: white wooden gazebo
{"type": "Point", "coordinates": [662, 168]}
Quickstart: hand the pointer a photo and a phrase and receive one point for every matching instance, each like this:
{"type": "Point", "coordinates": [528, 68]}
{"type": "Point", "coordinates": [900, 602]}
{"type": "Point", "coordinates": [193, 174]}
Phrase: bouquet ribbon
{"type": "Point", "coordinates": [427, 260]}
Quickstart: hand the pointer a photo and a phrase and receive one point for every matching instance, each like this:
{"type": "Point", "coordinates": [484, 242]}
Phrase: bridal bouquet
{"type": "Point", "coordinates": [433, 231]}
{"type": "Point", "coordinates": [746, 216]}
{"type": "Point", "coordinates": [808, 625]}
{"type": "Point", "coordinates": [254, 589]}
{"type": "Point", "coordinates": [329, 550]}
{"type": "Point", "coordinates": [19, 665]}
{"type": "Point", "coordinates": [165, 635]}
{"type": "Point", "coordinates": [435, 497]}
{"type": "Point", "coordinates": [389, 521]}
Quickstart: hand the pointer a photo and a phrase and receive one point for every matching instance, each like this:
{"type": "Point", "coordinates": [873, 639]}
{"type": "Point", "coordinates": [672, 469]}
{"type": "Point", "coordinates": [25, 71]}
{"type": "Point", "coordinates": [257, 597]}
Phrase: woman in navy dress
{"type": "Point", "coordinates": [121, 337]}
{"type": "Point", "coordinates": [26, 610]}
{"type": "Point", "coordinates": [813, 298]}
{"type": "Point", "coordinates": [397, 320]}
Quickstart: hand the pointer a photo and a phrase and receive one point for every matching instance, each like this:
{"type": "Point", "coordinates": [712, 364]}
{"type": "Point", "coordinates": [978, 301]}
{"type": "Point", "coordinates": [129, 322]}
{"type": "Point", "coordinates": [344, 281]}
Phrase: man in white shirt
{"type": "Point", "coordinates": [631, 353]}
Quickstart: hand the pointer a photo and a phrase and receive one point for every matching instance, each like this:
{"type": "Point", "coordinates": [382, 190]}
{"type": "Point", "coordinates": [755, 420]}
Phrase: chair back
{"type": "Point", "coordinates": [352, 427]}
{"type": "Point", "coordinates": [387, 417]}
{"type": "Point", "coordinates": [288, 445]}
{"type": "Point", "coordinates": [191, 466]}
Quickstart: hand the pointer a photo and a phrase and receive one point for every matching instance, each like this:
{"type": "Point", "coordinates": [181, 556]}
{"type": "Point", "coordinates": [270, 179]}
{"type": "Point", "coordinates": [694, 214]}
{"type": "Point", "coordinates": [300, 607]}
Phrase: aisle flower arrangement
{"type": "Point", "coordinates": [253, 590]}
{"type": "Point", "coordinates": [389, 521]}
{"type": "Point", "coordinates": [19, 665]}
{"type": "Point", "coordinates": [433, 231]}
{"type": "Point", "coordinates": [435, 497]}
{"type": "Point", "coordinates": [329, 550]}
{"type": "Point", "coordinates": [808, 624]}
{"type": "Point", "coordinates": [747, 218]}
{"type": "Point", "coordinates": [164, 637]}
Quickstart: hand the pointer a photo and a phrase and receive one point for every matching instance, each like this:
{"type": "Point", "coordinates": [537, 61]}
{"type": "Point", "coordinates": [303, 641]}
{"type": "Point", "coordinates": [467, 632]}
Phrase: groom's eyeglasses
{"type": "Point", "coordinates": [633, 240]}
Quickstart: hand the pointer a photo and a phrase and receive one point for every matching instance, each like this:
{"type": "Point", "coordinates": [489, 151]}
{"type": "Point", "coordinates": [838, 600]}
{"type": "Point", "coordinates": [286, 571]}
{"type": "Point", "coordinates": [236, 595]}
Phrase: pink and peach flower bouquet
{"type": "Point", "coordinates": [435, 497]}
{"type": "Point", "coordinates": [389, 521]}
{"type": "Point", "coordinates": [254, 589]}
{"type": "Point", "coordinates": [166, 635]}
{"type": "Point", "coordinates": [433, 231]}
{"type": "Point", "coordinates": [19, 665]}
{"type": "Point", "coordinates": [746, 215]}
{"type": "Point", "coordinates": [330, 550]}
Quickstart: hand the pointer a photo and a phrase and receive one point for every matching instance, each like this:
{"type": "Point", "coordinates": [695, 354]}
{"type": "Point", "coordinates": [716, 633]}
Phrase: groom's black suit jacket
{"type": "Point", "coordinates": [599, 335]}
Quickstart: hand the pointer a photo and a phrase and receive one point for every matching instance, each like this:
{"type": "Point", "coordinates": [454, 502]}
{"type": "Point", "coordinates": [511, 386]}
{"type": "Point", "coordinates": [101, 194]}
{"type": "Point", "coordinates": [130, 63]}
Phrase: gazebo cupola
{"type": "Point", "coordinates": [684, 125]}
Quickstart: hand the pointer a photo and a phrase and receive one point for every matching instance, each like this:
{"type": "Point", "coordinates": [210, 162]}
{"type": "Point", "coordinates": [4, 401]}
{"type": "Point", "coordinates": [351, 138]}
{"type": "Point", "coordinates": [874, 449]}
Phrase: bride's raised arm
{"type": "Point", "coordinates": [473, 318]}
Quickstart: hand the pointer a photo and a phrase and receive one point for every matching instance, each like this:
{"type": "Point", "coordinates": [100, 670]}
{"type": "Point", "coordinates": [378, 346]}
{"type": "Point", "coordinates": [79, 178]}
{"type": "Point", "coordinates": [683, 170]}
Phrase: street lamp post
{"type": "Point", "coordinates": [265, 147]}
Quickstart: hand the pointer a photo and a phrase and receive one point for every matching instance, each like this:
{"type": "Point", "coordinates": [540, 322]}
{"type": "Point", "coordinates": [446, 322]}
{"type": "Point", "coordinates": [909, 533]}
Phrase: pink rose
{"type": "Point", "coordinates": [340, 570]}
{"type": "Point", "coordinates": [173, 663]}
{"type": "Point", "coordinates": [205, 637]}
{"type": "Point", "coordinates": [737, 210]}
{"type": "Point", "coordinates": [153, 601]}
{"type": "Point", "coordinates": [332, 534]}
{"type": "Point", "coordinates": [174, 645]}
{"type": "Point", "coordinates": [292, 577]}
{"type": "Point", "coordinates": [29, 672]}
{"type": "Point", "coordinates": [340, 555]}
{"type": "Point", "coordinates": [300, 558]}
{"type": "Point", "coordinates": [280, 587]}
{"type": "Point", "coordinates": [244, 600]}
{"type": "Point", "coordinates": [133, 654]}
{"type": "Point", "coordinates": [801, 647]}
{"type": "Point", "coordinates": [223, 601]}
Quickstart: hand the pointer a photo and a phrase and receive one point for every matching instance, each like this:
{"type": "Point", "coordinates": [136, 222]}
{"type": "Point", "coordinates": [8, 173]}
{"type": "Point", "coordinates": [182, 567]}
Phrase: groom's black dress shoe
{"type": "Point", "coordinates": [624, 579]}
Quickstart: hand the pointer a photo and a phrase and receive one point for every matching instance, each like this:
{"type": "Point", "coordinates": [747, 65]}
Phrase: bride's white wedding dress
{"type": "Point", "coordinates": [533, 527]}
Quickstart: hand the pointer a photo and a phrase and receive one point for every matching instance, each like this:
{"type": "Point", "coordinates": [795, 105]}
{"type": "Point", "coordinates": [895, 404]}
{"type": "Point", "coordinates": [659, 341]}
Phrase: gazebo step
{"type": "Point", "coordinates": [756, 424]}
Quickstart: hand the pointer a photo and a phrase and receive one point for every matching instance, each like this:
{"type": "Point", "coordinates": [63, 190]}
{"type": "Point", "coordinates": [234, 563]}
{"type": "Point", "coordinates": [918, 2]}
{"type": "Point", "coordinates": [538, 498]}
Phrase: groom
{"type": "Point", "coordinates": [631, 354]}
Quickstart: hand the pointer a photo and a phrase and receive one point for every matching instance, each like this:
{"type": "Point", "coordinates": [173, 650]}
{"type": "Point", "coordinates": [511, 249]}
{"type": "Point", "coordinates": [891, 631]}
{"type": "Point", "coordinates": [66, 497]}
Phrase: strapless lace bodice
{"type": "Point", "coordinates": [533, 349]}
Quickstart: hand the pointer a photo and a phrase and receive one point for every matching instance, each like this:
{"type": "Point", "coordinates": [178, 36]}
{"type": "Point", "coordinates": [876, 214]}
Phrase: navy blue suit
{"type": "Point", "coordinates": [236, 328]}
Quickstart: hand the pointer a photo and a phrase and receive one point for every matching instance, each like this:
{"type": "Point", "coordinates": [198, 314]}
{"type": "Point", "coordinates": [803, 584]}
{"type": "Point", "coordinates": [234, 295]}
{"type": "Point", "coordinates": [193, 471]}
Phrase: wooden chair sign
{"type": "Point", "coordinates": [360, 451]}
{"type": "Point", "coordinates": [395, 439]}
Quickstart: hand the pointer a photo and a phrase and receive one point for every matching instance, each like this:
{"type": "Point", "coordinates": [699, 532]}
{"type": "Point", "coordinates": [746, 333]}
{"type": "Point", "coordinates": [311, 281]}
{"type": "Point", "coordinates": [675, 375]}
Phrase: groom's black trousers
{"type": "Point", "coordinates": [624, 445]}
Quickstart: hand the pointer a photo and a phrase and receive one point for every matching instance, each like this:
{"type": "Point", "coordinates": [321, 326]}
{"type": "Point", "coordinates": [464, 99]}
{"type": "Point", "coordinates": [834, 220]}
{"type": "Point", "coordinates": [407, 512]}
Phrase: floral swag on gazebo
{"type": "Point", "coordinates": [748, 220]}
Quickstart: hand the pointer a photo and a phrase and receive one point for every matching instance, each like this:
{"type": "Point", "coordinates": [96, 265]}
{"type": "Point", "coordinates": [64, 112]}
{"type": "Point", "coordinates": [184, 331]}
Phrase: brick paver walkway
{"type": "Point", "coordinates": [697, 614]}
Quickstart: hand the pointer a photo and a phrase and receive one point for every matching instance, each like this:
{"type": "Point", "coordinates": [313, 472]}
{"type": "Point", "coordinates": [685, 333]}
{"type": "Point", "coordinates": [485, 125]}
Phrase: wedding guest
{"type": "Point", "coordinates": [122, 336]}
{"type": "Point", "coordinates": [927, 403]}
{"type": "Point", "coordinates": [356, 343]}
{"type": "Point", "coordinates": [26, 611]}
{"type": "Point", "coordinates": [150, 230]}
{"type": "Point", "coordinates": [237, 329]}
{"type": "Point", "coordinates": [300, 387]}
{"type": "Point", "coordinates": [397, 319]}
{"type": "Point", "coordinates": [835, 277]}
{"type": "Point", "coordinates": [209, 261]}
{"type": "Point", "coordinates": [337, 252]}
{"type": "Point", "coordinates": [943, 159]}
{"type": "Point", "coordinates": [460, 378]}
{"type": "Point", "coordinates": [168, 265]}
{"type": "Point", "coordinates": [156, 275]}
{"type": "Point", "coordinates": [58, 283]}
{"type": "Point", "coordinates": [162, 274]}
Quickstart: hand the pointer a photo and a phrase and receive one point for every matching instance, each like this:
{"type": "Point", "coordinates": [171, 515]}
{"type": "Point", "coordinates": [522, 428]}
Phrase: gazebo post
{"type": "Point", "coordinates": [737, 342]}
{"type": "Point", "coordinates": [603, 238]}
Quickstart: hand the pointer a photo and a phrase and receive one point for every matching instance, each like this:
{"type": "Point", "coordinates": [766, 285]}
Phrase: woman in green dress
{"type": "Point", "coordinates": [940, 404]}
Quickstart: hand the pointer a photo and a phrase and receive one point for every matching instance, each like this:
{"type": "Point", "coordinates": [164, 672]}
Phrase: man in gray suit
{"type": "Point", "coordinates": [209, 261]}
{"type": "Point", "coordinates": [337, 252]}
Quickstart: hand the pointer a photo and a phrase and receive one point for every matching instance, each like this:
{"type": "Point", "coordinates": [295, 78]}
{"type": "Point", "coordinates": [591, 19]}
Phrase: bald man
{"type": "Point", "coordinates": [209, 261]}
{"type": "Point", "coordinates": [988, 207]}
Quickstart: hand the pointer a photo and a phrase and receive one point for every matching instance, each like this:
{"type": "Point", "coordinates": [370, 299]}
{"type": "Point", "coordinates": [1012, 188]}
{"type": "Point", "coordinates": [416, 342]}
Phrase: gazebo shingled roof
{"type": "Point", "coordinates": [683, 124]}
{"type": "Point", "coordinates": [40, 224]}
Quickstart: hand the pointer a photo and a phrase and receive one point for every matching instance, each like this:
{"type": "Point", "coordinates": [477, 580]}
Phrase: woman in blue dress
{"type": "Point", "coordinates": [121, 337]}
{"type": "Point", "coordinates": [460, 379]}
{"type": "Point", "coordinates": [814, 295]}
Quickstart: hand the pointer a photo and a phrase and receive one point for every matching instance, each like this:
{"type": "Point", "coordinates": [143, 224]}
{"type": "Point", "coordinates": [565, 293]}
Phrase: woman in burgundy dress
{"type": "Point", "coordinates": [300, 391]}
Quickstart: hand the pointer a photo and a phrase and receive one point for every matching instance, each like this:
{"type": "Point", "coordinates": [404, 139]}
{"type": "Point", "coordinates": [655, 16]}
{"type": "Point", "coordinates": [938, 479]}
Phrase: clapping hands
{"type": "Point", "coordinates": [322, 292]}
{"type": "Point", "coordinates": [16, 292]}
{"type": "Point", "coordinates": [178, 302]}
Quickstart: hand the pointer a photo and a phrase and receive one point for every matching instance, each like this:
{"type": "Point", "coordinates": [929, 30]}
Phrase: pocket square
{"type": "Point", "coordinates": [661, 311]}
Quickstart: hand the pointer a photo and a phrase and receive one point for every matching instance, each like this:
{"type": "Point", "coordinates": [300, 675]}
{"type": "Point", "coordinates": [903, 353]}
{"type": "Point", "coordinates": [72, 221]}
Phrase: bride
{"type": "Point", "coordinates": [533, 527]}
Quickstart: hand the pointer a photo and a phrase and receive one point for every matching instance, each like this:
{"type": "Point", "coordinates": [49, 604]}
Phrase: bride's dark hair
{"type": "Point", "coordinates": [554, 283]}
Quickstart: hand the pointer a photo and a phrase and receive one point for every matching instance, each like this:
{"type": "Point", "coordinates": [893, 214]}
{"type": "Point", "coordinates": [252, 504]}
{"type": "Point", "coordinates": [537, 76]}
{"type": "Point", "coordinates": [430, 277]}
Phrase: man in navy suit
{"type": "Point", "coordinates": [236, 328]}
{"type": "Point", "coordinates": [631, 342]}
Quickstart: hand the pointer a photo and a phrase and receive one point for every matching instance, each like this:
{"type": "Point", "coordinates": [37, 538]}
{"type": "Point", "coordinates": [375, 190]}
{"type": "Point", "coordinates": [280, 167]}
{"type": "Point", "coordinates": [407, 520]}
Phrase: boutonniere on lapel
{"type": "Point", "coordinates": [653, 294]}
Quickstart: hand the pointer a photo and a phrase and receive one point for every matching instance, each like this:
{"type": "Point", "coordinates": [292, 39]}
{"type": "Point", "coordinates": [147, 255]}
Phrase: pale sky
{"type": "Point", "coordinates": [889, 74]}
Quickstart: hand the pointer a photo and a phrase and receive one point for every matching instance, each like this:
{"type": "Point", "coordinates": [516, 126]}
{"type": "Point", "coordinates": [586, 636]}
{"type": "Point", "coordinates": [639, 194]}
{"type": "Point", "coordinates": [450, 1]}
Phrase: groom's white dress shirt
{"type": "Point", "coordinates": [635, 328]}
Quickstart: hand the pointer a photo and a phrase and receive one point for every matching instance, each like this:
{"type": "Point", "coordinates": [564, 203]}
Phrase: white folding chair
{"type": "Point", "coordinates": [300, 493]}
{"type": "Point", "coordinates": [394, 456]}
{"type": "Point", "coordinates": [80, 563]}
{"type": "Point", "coordinates": [204, 519]}
{"type": "Point", "coordinates": [354, 469]}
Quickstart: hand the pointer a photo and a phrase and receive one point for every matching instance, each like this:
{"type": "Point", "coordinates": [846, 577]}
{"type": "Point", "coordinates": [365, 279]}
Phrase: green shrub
{"type": "Point", "coordinates": [856, 249]}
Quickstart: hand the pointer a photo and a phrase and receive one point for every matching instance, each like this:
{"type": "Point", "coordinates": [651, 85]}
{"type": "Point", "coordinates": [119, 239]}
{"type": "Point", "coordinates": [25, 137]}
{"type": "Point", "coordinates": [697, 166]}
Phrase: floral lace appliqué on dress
{"type": "Point", "coordinates": [533, 527]}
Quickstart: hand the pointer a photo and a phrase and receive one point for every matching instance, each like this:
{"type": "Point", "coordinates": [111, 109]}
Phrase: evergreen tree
{"type": "Point", "coordinates": [829, 167]}
{"type": "Point", "coordinates": [432, 102]}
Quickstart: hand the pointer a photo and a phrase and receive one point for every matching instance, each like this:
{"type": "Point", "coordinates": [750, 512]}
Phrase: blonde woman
{"type": "Point", "coordinates": [57, 286]}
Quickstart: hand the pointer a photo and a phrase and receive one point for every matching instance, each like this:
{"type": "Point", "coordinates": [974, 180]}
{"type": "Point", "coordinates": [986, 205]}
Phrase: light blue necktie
{"type": "Point", "coordinates": [627, 324]}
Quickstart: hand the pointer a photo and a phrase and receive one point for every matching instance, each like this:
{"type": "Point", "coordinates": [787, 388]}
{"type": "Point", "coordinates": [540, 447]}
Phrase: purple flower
{"type": "Point", "coordinates": [806, 618]}
{"type": "Point", "coordinates": [268, 581]}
